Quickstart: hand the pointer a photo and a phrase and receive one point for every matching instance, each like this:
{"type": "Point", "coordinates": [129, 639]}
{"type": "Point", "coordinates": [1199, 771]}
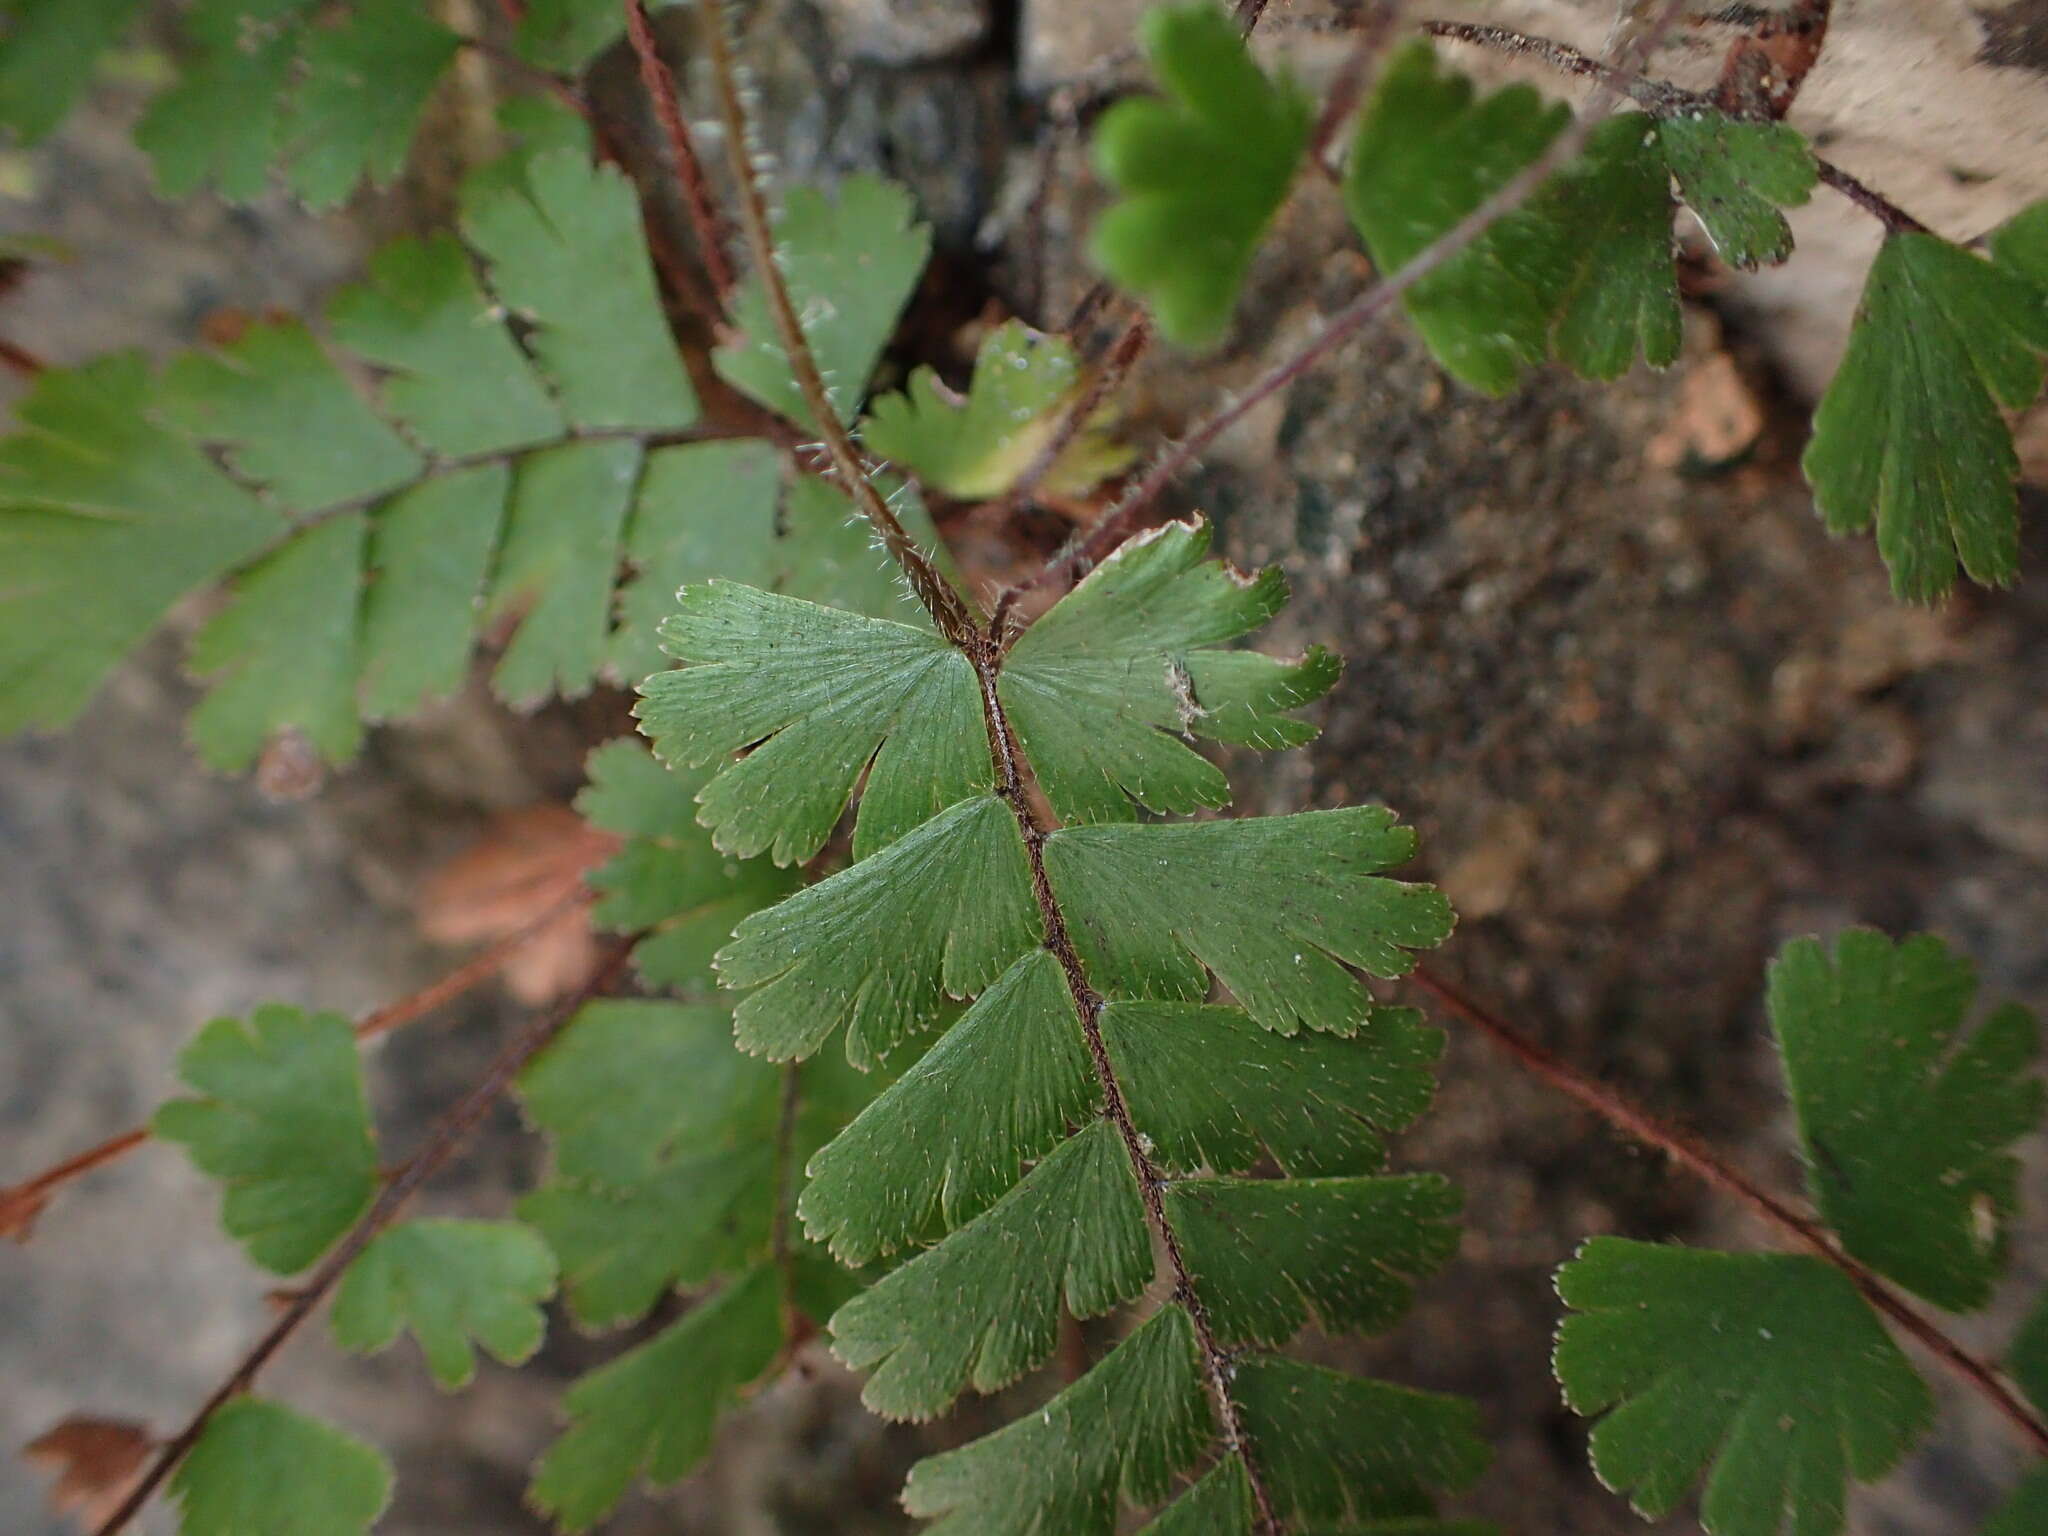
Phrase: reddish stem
{"type": "Point", "coordinates": [1717, 1172]}
{"type": "Point", "coordinates": [446, 1138]}
{"type": "Point", "coordinates": [20, 1202]}
{"type": "Point", "coordinates": [660, 84]}
{"type": "Point", "coordinates": [20, 360]}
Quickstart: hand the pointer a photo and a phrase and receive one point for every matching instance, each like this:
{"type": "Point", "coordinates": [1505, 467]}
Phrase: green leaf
{"type": "Point", "coordinates": [222, 120]}
{"type": "Point", "coordinates": [983, 1307]}
{"type": "Point", "coordinates": [2020, 244]}
{"type": "Point", "coordinates": [1103, 687]}
{"type": "Point", "coordinates": [260, 1469]}
{"type": "Point", "coordinates": [1585, 264]}
{"type": "Point", "coordinates": [1200, 173]}
{"type": "Point", "coordinates": [704, 1211]}
{"type": "Point", "coordinates": [1267, 1253]}
{"type": "Point", "coordinates": [1336, 1447]}
{"type": "Point", "coordinates": [2028, 1358]}
{"type": "Point", "coordinates": [631, 1083]}
{"type": "Point", "coordinates": [556, 566]}
{"type": "Point", "coordinates": [1907, 1122]}
{"type": "Point", "coordinates": [286, 418]}
{"type": "Point", "coordinates": [532, 126]}
{"type": "Point", "coordinates": [663, 1141]}
{"type": "Point", "coordinates": [430, 556]}
{"type": "Point", "coordinates": [1221, 1505]}
{"type": "Point", "coordinates": [285, 652]}
{"type": "Point", "coordinates": [1621, 294]}
{"type": "Point", "coordinates": [2025, 1513]}
{"type": "Point", "coordinates": [828, 554]}
{"type": "Point", "coordinates": [106, 520]}
{"type": "Point", "coordinates": [949, 1136]}
{"type": "Point", "coordinates": [283, 1124]}
{"type": "Point", "coordinates": [457, 379]}
{"type": "Point", "coordinates": [820, 695]}
{"type": "Point", "coordinates": [565, 35]}
{"type": "Point", "coordinates": [1124, 1428]}
{"type": "Point", "coordinates": [651, 1412]}
{"type": "Point", "coordinates": [954, 899]}
{"type": "Point", "coordinates": [668, 879]}
{"type": "Point", "coordinates": [1736, 175]}
{"type": "Point", "coordinates": [48, 55]}
{"type": "Point", "coordinates": [704, 510]}
{"type": "Point", "coordinates": [450, 1281]}
{"type": "Point", "coordinates": [850, 266]}
{"type": "Point", "coordinates": [1909, 434]}
{"type": "Point", "coordinates": [1769, 1366]}
{"type": "Point", "coordinates": [977, 448]}
{"type": "Point", "coordinates": [571, 260]}
{"type": "Point", "coordinates": [1211, 1088]}
{"type": "Point", "coordinates": [1428, 151]}
{"type": "Point", "coordinates": [365, 84]}
{"type": "Point", "coordinates": [1271, 905]}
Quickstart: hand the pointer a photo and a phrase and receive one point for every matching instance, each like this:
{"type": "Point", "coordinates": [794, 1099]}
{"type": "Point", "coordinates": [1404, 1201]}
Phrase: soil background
{"type": "Point", "coordinates": [1649, 720]}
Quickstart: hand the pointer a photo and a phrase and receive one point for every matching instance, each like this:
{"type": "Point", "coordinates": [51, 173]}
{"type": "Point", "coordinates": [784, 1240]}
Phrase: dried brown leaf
{"type": "Point", "coordinates": [528, 864]}
{"type": "Point", "coordinates": [96, 1460]}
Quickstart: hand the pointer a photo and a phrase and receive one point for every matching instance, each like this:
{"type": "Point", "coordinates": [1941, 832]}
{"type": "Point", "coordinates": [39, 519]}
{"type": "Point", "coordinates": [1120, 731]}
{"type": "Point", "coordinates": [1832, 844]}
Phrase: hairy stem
{"type": "Point", "coordinates": [1011, 773]}
{"type": "Point", "coordinates": [1894, 218]}
{"type": "Point", "coordinates": [19, 1203]}
{"type": "Point", "coordinates": [1722, 1175]}
{"type": "Point", "coordinates": [1662, 100]}
{"type": "Point", "coordinates": [948, 610]}
{"type": "Point", "coordinates": [443, 1141]}
{"type": "Point", "coordinates": [660, 84]}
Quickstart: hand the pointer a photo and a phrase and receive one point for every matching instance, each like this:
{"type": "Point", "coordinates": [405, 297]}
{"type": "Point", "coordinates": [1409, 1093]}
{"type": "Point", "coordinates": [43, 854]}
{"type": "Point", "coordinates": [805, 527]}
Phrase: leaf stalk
{"type": "Point", "coordinates": [445, 1139]}
{"type": "Point", "coordinates": [660, 84]}
{"type": "Point", "coordinates": [949, 611]}
{"type": "Point", "coordinates": [20, 1202]}
{"type": "Point", "coordinates": [1709, 1166]}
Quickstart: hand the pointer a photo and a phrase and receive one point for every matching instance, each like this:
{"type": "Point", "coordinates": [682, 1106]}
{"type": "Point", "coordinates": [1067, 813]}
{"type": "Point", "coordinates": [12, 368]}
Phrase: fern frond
{"type": "Point", "coordinates": [1769, 1367]}
{"type": "Point", "coordinates": [841, 692]}
{"type": "Point", "coordinates": [983, 1307]}
{"type": "Point", "coordinates": [1943, 339]}
{"type": "Point", "coordinates": [450, 1282]}
{"type": "Point", "coordinates": [1583, 267]}
{"type": "Point", "coordinates": [1275, 907]}
{"type": "Point", "coordinates": [948, 1138]}
{"type": "Point", "coordinates": [1772, 1372]}
{"type": "Point", "coordinates": [284, 1124]}
{"type": "Point", "coordinates": [671, 1155]}
{"type": "Point", "coordinates": [1087, 1054]}
{"type": "Point", "coordinates": [1267, 1254]}
{"type": "Point", "coordinates": [1118, 1434]}
{"type": "Point", "coordinates": [1201, 171]}
{"type": "Point", "coordinates": [483, 433]}
{"type": "Point", "coordinates": [322, 97]}
{"type": "Point", "coordinates": [652, 1412]}
{"type": "Point", "coordinates": [1908, 1122]}
{"type": "Point", "coordinates": [977, 448]}
{"type": "Point", "coordinates": [850, 263]}
{"type": "Point", "coordinates": [259, 1466]}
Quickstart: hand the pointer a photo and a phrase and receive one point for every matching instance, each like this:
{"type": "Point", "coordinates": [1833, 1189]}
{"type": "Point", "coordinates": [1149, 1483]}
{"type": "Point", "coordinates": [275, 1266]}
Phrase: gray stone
{"type": "Point", "coordinates": [906, 31]}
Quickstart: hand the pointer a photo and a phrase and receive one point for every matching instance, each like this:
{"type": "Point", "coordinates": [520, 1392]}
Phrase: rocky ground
{"type": "Point", "coordinates": [1648, 718]}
